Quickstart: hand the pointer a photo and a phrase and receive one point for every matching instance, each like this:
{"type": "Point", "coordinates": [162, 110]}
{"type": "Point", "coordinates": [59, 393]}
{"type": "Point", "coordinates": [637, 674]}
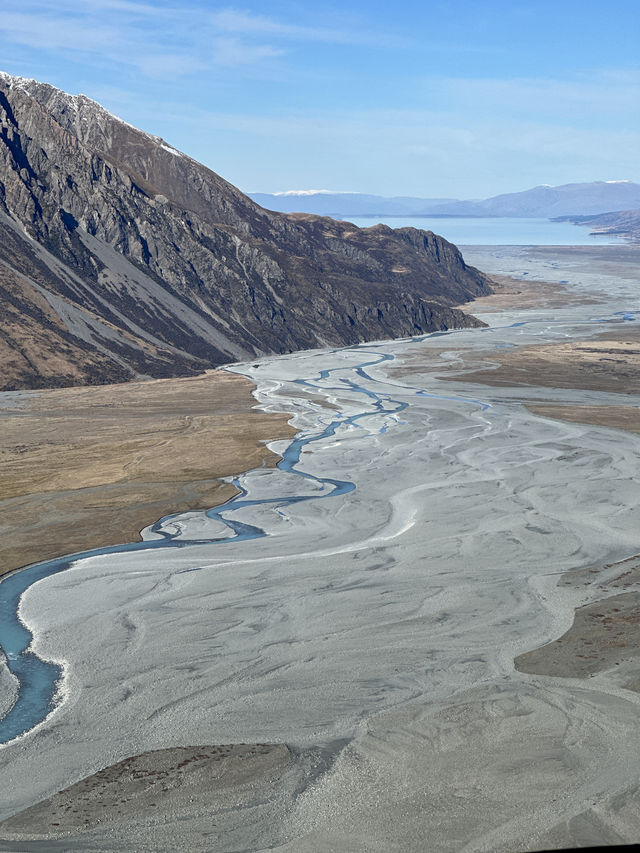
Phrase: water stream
{"type": "Point", "coordinates": [39, 680]}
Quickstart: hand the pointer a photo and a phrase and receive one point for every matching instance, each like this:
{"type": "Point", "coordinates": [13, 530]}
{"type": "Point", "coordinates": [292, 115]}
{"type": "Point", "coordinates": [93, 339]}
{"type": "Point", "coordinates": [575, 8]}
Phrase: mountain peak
{"type": "Point", "coordinates": [72, 112]}
{"type": "Point", "coordinates": [121, 257]}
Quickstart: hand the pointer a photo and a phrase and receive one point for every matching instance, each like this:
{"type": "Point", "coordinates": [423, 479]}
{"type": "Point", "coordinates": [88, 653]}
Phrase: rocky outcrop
{"type": "Point", "coordinates": [122, 257]}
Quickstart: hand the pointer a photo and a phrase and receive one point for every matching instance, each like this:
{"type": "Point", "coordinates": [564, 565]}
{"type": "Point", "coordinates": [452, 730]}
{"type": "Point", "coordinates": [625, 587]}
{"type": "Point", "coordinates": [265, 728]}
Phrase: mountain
{"type": "Point", "coordinates": [544, 201]}
{"type": "Point", "coordinates": [326, 203]}
{"type": "Point", "coordinates": [577, 199]}
{"type": "Point", "coordinates": [121, 257]}
{"type": "Point", "coordinates": [625, 223]}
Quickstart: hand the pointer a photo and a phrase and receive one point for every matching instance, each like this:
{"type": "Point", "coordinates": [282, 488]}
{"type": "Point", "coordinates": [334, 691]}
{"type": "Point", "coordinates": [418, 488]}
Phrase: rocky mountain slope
{"type": "Point", "coordinates": [544, 201]}
{"type": "Point", "coordinates": [120, 257]}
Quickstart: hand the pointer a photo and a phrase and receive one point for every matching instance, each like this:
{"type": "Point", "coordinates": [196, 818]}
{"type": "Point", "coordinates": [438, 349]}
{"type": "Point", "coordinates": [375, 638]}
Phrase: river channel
{"type": "Point", "coordinates": [407, 547]}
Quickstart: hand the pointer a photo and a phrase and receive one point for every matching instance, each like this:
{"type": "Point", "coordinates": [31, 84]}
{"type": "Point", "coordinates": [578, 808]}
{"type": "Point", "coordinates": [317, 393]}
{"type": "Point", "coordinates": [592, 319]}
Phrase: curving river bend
{"type": "Point", "coordinates": [39, 679]}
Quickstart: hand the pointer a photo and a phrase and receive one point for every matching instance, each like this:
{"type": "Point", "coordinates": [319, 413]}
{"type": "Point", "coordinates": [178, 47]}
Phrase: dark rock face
{"type": "Point", "coordinates": [142, 262]}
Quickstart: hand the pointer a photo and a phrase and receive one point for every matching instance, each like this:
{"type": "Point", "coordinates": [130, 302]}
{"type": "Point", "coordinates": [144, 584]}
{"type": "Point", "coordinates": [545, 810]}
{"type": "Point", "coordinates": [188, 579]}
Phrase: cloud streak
{"type": "Point", "coordinates": [232, 21]}
{"type": "Point", "coordinates": [248, 24]}
{"type": "Point", "coordinates": [352, 98]}
{"type": "Point", "coordinates": [602, 92]}
{"type": "Point", "coordinates": [442, 154]}
{"type": "Point", "coordinates": [158, 42]}
{"type": "Point", "coordinates": [166, 40]}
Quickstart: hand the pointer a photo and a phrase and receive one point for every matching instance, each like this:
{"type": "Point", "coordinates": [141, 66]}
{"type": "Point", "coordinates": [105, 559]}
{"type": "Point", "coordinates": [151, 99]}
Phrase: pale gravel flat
{"type": "Point", "coordinates": [8, 688]}
{"type": "Point", "coordinates": [388, 617]}
{"type": "Point", "coordinates": [510, 766]}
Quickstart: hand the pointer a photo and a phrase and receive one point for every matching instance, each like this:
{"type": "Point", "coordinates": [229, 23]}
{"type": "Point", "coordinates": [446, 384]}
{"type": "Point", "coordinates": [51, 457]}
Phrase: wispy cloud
{"type": "Point", "coordinates": [56, 33]}
{"type": "Point", "coordinates": [128, 6]}
{"type": "Point", "coordinates": [356, 32]}
{"type": "Point", "coordinates": [163, 41]}
{"type": "Point", "coordinates": [442, 152]}
{"type": "Point", "coordinates": [248, 24]}
{"type": "Point", "coordinates": [232, 21]}
{"type": "Point", "coordinates": [168, 39]}
{"type": "Point", "coordinates": [590, 95]}
{"type": "Point", "coordinates": [233, 52]}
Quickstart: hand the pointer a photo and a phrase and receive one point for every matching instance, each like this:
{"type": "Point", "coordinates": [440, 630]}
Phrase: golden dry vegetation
{"type": "Point", "coordinates": [87, 467]}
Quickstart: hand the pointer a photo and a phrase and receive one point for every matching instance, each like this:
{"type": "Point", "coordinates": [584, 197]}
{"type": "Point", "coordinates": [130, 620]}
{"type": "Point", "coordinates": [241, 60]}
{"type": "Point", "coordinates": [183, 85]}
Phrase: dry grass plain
{"type": "Point", "coordinates": [604, 634]}
{"type": "Point", "coordinates": [162, 782]}
{"type": "Point", "coordinates": [87, 467]}
{"type": "Point", "coordinates": [610, 362]}
{"type": "Point", "coordinates": [513, 293]}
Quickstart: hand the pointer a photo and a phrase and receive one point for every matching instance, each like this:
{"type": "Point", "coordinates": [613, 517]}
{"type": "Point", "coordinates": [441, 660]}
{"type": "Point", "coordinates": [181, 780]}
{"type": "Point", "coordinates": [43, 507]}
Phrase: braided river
{"type": "Point", "coordinates": [405, 549]}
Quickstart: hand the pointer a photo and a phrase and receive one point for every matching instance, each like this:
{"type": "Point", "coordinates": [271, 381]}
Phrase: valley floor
{"type": "Point", "coordinates": [422, 626]}
{"type": "Point", "coordinates": [85, 467]}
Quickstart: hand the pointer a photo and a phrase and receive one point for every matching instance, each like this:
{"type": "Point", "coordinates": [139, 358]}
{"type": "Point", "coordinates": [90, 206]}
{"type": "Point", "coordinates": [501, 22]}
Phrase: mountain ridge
{"type": "Point", "coordinates": [123, 258]}
{"type": "Point", "coordinates": [542, 201]}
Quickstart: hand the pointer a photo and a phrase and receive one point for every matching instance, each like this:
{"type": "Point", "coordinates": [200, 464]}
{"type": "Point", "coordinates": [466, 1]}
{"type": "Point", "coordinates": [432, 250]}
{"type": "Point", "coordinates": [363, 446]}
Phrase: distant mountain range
{"type": "Point", "coordinates": [545, 201]}
{"type": "Point", "coordinates": [324, 203]}
{"type": "Point", "coordinates": [121, 257]}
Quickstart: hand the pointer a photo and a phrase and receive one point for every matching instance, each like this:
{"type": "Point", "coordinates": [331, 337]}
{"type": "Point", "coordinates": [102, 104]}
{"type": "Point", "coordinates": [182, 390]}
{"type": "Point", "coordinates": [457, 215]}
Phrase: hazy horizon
{"type": "Point", "coordinates": [460, 99]}
{"type": "Point", "coordinates": [292, 192]}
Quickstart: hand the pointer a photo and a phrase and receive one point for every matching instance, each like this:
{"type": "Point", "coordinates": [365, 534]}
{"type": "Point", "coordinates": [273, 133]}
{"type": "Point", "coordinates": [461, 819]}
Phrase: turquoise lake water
{"type": "Point", "coordinates": [497, 231]}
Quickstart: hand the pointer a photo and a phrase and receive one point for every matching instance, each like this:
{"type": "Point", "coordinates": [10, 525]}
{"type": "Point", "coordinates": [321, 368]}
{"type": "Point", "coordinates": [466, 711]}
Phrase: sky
{"type": "Point", "coordinates": [459, 99]}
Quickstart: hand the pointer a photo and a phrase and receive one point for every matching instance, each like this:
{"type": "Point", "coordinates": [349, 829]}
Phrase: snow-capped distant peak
{"type": "Point", "coordinates": [618, 182]}
{"type": "Point", "coordinates": [314, 192]}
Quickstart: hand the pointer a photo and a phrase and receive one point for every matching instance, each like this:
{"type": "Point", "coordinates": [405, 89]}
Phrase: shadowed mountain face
{"type": "Point", "coordinates": [120, 257]}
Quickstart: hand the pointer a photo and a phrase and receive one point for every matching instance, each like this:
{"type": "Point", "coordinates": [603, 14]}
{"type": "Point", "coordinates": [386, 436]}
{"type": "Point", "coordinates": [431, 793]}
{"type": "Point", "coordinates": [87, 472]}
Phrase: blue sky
{"type": "Point", "coordinates": [454, 99]}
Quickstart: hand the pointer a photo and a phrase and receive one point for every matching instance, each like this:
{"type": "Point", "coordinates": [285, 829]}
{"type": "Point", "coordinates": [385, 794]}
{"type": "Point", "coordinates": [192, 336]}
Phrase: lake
{"type": "Point", "coordinates": [494, 231]}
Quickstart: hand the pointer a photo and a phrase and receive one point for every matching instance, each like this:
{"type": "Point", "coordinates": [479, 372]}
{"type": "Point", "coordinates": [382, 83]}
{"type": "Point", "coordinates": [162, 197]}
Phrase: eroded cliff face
{"type": "Point", "coordinates": [121, 257]}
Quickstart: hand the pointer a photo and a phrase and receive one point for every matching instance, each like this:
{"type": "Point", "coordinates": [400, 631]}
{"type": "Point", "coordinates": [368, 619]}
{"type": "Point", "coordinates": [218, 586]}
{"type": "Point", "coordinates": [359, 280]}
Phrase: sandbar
{"type": "Point", "coordinates": [509, 293]}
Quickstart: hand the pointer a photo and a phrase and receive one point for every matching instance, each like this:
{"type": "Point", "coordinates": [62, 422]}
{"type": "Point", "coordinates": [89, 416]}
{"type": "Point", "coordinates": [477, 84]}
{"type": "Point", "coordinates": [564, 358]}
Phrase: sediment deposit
{"type": "Point", "coordinates": [421, 535]}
